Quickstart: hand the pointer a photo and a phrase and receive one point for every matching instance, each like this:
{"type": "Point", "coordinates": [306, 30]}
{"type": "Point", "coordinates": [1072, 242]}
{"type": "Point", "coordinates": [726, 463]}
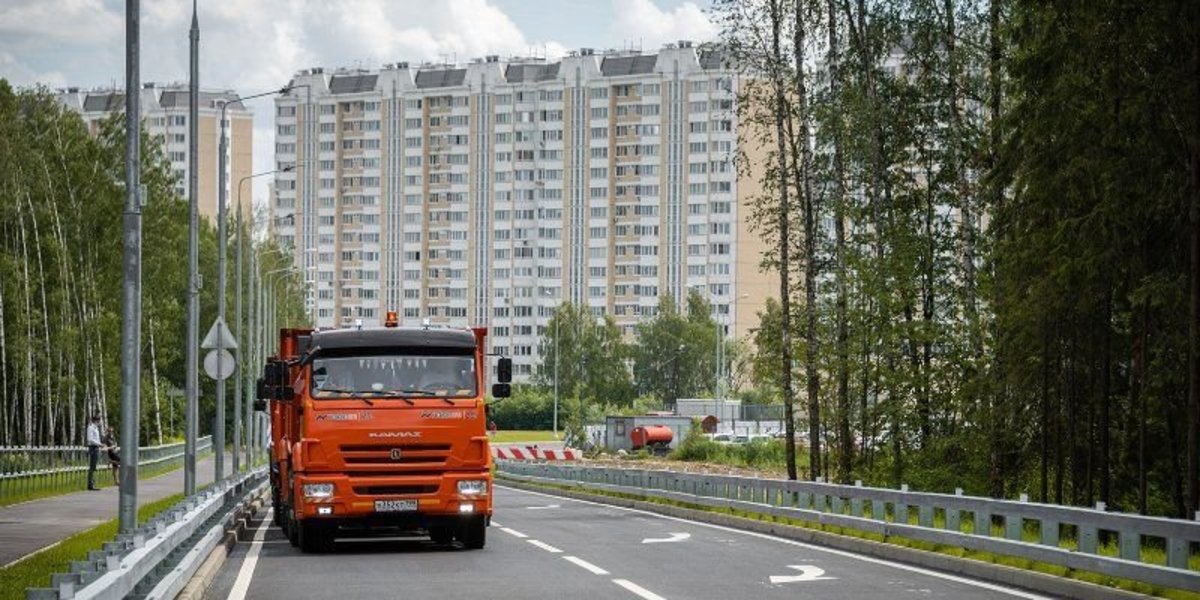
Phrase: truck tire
{"type": "Point", "coordinates": [442, 534]}
{"type": "Point", "coordinates": [291, 527]}
{"type": "Point", "coordinates": [277, 515]}
{"type": "Point", "coordinates": [473, 533]}
{"type": "Point", "coordinates": [314, 537]}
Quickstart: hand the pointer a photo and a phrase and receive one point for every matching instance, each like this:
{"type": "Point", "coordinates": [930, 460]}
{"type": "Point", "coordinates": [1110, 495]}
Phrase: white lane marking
{"type": "Point", "coordinates": [545, 546]}
{"type": "Point", "coordinates": [579, 562]}
{"type": "Point", "coordinates": [870, 559]}
{"type": "Point", "coordinates": [637, 589]}
{"type": "Point", "coordinates": [807, 573]}
{"type": "Point", "coordinates": [548, 506]}
{"type": "Point", "coordinates": [494, 523]}
{"type": "Point", "coordinates": [675, 537]}
{"type": "Point", "coordinates": [513, 532]}
{"type": "Point", "coordinates": [246, 573]}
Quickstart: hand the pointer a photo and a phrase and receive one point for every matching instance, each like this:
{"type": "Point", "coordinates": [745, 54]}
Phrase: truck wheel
{"type": "Point", "coordinates": [473, 533]}
{"type": "Point", "coordinates": [441, 535]}
{"type": "Point", "coordinates": [290, 527]}
{"type": "Point", "coordinates": [313, 537]}
{"type": "Point", "coordinates": [277, 515]}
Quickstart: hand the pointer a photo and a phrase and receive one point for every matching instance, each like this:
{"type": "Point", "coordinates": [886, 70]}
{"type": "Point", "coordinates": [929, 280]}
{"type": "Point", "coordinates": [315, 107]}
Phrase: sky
{"type": "Point", "coordinates": [252, 46]}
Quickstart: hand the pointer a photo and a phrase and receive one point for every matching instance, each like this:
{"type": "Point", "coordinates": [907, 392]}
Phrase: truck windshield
{"type": "Point", "coordinates": [394, 376]}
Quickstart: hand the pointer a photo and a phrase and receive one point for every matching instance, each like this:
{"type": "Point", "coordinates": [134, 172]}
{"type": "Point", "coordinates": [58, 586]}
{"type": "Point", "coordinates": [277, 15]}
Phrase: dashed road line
{"type": "Point", "coordinates": [637, 589]}
{"type": "Point", "coordinates": [513, 532]}
{"type": "Point", "coordinates": [579, 562]}
{"type": "Point", "coordinates": [864, 558]}
{"type": "Point", "coordinates": [545, 546]}
{"type": "Point", "coordinates": [242, 584]}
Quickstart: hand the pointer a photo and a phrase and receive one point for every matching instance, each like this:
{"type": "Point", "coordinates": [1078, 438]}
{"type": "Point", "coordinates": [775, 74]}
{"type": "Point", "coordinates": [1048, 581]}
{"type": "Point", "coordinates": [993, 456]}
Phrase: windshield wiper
{"type": "Point", "coordinates": [348, 391]}
{"type": "Point", "coordinates": [425, 393]}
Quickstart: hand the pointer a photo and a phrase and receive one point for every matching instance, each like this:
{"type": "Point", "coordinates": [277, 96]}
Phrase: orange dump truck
{"type": "Point", "coordinates": [380, 429]}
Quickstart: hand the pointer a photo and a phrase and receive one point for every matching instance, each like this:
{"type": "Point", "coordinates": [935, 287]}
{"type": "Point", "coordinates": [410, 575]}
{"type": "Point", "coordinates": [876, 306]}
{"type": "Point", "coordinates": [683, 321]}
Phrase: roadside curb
{"type": "Point", "coordinates": [207, 572]}
{"type": "Point", "coordinates": [1009, 576]}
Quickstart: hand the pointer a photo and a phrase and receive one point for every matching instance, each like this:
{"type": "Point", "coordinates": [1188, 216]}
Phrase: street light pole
{"type": "Point", "coordinates": [131, 317]}
{"type": "Point", "coordinates": [191, 354]}
{"type": "Point", "coordinates": [222, 242]}
{"type": "Point", "coordinates": [242, 355]}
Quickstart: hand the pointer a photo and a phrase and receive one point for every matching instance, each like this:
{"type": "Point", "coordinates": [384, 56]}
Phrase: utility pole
{"type": "Point", "coordinates": [192, 384]}
{"type": "Point", "coordinates": [252, 351]}
{"type": "Point", "coordinates": [219, 429]}
{"type": "Point", "coordinates": [241, 355]}
{"type": "Point", "coordinates": [131, 317]}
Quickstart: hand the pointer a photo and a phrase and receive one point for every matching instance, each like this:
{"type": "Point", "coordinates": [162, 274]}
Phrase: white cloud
{"type": "Point", "coordinates": [256, 45]}
{"type": "Point", "coordinates": [54, 21]}
{"type": "Point", "coordinates": [642, 21]}
{"type": "Point", "coordinates": [20, 74]}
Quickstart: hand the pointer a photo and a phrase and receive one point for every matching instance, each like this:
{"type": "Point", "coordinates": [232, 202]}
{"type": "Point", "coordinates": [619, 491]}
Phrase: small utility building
{"type": "Point", "coordinates": [617, 429]}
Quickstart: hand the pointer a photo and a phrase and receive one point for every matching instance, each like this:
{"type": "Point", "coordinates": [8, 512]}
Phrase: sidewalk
{"type": "Point", "coordinates": [30, 526]}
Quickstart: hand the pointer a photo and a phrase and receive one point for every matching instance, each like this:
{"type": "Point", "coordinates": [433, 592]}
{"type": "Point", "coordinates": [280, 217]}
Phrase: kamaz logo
{"type": "Point", "coordinates": [395, 454]}
{"type": "Point", "coordinates": [394, 434]}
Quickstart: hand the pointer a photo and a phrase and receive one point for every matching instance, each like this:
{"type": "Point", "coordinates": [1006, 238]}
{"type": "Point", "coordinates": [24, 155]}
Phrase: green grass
{"type": "Point", "coordinates": [1028, 534]}
{"type": "Point", "coordinates": [35, 570]}
{"type": "Point", "coordinates": [45, 486]}
{"type": "Point", "coordinates": [513, 436]}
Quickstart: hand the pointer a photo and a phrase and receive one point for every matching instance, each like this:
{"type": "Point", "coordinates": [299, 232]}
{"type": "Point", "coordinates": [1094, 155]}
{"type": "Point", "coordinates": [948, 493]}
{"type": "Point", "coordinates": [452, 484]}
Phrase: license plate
{"type": "Point", "coordinates": [395, 505]}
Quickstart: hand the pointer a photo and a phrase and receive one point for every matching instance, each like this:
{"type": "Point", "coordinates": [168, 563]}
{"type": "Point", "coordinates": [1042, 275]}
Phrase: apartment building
{"type": "Point", "coordinates": [165, 115]}
{"type": "Point", "coordinates": [489, 193]}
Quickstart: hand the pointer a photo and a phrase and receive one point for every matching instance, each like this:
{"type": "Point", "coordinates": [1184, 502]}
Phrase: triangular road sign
{"type": "Point", "coordinates": [219, 336]}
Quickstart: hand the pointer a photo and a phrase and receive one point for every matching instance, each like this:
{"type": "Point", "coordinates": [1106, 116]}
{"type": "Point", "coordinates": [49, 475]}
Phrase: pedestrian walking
{"type": "Point", "coordinates": [114, 453]}
{"type": "Point", "coordinates": [93, 445]}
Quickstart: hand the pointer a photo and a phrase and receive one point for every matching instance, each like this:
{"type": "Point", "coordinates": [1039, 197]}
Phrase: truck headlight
{"type": "Point", "coordinates": [473, 487]}
{"type": "Point", "coordinates": [318, 490]}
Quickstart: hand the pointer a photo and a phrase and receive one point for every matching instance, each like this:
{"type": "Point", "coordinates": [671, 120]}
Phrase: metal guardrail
{"type": "Point", "coordinates": [24, 468]}
{"type": "Point", "coordinates": [156, 559]}
{"type": "Point", "coordinates": [965, 521]}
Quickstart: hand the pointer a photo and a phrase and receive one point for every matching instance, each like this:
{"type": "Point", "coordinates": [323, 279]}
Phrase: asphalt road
{"type": "Point", "coordinates": [542, 546]}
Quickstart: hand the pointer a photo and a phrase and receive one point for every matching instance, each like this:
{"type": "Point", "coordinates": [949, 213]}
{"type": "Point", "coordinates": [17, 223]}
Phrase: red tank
{"type": "Point", "coordinates": [651, 436]}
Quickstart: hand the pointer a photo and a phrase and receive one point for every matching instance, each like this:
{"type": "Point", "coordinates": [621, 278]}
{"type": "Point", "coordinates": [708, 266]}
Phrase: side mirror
{"type": "Point", "coordinates": [504, 370]}
{"type": "Point", "coordinates": [262, 391]}
{"type": "Point", "coordinates": [260, 405]}
{"type": "Point", "coordinates": [501, 390]}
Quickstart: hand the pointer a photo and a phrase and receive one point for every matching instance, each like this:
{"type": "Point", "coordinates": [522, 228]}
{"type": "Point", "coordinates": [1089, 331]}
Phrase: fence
{"type": "Point", "coordinates": [27, 471]}
{"type": "Point", "coordinates": [1064, 536]}
{"type": "Point", "coordinates": [157, 559]}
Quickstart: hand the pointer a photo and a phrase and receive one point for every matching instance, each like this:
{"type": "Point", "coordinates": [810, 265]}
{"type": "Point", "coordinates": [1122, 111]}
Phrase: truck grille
{"type": "Point", "coordinates": [395, 490]}
{"type": "Point", "coordinates": [425, 455]}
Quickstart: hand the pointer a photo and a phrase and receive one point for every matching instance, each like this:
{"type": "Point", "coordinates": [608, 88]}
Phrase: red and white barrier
{"type": "Point", "coordinates": [534, 453]}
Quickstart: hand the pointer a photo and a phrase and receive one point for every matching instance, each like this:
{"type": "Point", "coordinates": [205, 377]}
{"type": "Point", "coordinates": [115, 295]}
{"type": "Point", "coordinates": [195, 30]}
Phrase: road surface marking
{"type": "Point", "coordinates": [637, 589]}
{"type": "Point", "coordinates": [545, 546]}
{"type": "Point", "coordinates": [246, 573]}
{"type": "Point", "coordinates": [494, 523]}
{"type": "Point", "coordinates": [870, 559]}
{"type": "Point", "coordinates": [513, 532]}
{"type": "Point", "coordinates": [579, 562]}
{"type": "Point", "coordinates": [548, 506]}
{"type": "Point", "coordinates": [675, 537]}
{"type": "Point", "coordinates": [807, 573]}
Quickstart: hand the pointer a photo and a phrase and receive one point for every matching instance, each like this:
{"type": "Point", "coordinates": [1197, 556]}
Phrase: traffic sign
{"type": "Point", "coordinates": [219, 336]}
{"type": "Point", "coordinates": [219, 364]}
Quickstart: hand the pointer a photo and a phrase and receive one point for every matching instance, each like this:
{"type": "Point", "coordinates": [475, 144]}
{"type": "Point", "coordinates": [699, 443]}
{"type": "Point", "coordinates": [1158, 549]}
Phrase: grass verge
{"type": "Point", "coordinates": [36, 569]}
{"type": "Point", "coordinates": [522, 435]}
{"type": "Point", "coordinates": [45, 486]}
{"type": "Point", "coordinates": [1008, 561]}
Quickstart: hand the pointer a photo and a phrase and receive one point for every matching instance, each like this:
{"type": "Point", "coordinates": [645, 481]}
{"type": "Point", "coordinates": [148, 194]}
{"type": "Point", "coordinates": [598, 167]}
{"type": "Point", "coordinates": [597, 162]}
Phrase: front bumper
{"type": "Point", "coordinates": [353, 498]}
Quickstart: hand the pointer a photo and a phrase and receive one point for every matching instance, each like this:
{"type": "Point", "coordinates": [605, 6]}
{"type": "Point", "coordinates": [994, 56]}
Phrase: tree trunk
{"type": "Point", "coordinates": [846, 451]}
{"type": "Point", "coordinates": [811, 264]}
{"type": "Point", "coordinates": [780, 105]}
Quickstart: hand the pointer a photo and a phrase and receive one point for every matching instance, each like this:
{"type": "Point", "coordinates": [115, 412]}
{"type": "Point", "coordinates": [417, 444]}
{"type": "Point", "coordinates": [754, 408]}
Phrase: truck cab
{"type": "Point", "coordinates": [381, 428]}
